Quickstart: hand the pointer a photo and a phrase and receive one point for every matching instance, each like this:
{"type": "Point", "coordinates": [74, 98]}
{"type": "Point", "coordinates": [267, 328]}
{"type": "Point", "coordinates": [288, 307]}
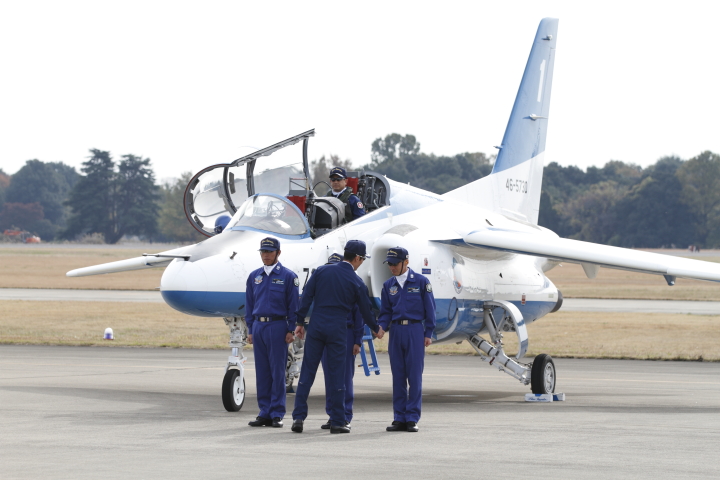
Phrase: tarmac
{"type": "Point", "coordinates": [98, 412]}
{"type": "Point", "coordinates": [569, 304]}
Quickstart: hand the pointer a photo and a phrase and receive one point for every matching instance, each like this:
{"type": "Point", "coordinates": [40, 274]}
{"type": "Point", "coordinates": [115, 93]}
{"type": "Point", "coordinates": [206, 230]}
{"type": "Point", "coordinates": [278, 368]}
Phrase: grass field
{"type": "Point", "coordinates": [44, 266]}
{"type": "Point", "coordinates": [563, 334]}
{"type": "Point", "coordinates": [570, 279]}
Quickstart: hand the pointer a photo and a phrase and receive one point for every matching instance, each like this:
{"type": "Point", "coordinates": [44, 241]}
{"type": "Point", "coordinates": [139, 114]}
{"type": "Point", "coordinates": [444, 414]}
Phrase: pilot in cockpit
{"type": "Point", "coordinates": [354, 208]}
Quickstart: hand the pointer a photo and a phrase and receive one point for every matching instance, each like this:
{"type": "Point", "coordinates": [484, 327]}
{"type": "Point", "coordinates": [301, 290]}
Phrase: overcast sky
{"type": "Point", "coordinates": [190, 84]}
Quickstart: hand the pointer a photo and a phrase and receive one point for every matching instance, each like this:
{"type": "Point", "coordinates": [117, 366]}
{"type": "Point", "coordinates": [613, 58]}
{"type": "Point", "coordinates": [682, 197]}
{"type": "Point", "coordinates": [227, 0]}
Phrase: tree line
{"type": "Point", "coordinates": [672, 203]}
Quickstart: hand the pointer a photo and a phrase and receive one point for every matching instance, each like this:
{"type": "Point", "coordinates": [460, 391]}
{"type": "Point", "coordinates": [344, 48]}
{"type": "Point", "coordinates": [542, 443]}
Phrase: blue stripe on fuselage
{"type": "Point", "coordinates": [206, 304]}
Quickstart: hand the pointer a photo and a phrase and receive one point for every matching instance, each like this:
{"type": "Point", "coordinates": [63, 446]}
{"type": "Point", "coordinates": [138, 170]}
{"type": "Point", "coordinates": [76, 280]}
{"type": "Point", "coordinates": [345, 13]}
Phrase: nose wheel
{"type": "Point", "coordinates": [233, 385]}
{"type": "Point", "coordinates": [542, 376]}
{"type": "Point", "coordinates": [233, 390]}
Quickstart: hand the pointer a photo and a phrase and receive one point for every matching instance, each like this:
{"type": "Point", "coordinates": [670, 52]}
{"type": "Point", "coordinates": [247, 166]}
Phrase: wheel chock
{"type": "Point", "coordinates": [544, 397]}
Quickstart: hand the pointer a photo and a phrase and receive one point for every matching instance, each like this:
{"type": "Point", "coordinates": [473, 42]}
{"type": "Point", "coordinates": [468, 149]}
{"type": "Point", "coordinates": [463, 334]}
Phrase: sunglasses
{"type": "Point", "coordinates": [337, 179]}
{"type": "Point", "coordinates": [393, 264]}
{"type": "Point", "coordinates": [267, 251]}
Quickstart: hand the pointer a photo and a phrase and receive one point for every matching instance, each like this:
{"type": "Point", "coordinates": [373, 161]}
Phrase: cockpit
{"type": "Point", "coordinates": [275, 195]}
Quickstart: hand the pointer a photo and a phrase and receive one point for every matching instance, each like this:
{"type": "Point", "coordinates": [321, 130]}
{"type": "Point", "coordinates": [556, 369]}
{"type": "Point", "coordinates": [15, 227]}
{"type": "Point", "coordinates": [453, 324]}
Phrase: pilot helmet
{"type": "Point", "coordinates": [221, 222]}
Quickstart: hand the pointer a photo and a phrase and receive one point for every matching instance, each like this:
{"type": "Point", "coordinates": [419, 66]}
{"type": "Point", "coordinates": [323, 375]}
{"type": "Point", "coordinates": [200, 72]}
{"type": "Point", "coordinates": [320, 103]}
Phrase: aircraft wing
{"type": "Point", "coordinates": [138, 263]}
{"type": "Point", "coordinates": [590, 255]}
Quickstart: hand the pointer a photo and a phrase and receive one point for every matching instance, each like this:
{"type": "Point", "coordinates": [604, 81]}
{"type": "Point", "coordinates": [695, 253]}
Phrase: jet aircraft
{"type": "Point", "coordinates": [480, 245]}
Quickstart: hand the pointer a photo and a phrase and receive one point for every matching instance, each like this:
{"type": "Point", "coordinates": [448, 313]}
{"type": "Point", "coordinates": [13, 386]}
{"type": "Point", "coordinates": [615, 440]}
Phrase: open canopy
{"type": "Point", "coordinates": [220, 189]}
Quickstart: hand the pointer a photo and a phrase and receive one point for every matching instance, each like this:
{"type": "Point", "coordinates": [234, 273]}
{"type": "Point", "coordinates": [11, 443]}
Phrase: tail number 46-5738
{"type": "Point", "coordinates": [519, 186]}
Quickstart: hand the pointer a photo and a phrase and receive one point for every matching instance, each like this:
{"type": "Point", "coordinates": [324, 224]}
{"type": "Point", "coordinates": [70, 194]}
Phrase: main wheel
{"type": "Point", "coordinates": [233, 391]}
{"type": "Point", "coordinates": [542, 375]}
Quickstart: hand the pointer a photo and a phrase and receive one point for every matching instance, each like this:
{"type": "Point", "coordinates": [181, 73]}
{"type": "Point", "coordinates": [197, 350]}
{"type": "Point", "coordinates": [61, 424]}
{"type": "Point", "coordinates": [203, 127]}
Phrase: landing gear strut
{"type": "Point", "coordinates": [294, 362]}
{"type": "Point", "coordinates": [233, 386]}
{"type": "Point", "coordinates": [540, 374]}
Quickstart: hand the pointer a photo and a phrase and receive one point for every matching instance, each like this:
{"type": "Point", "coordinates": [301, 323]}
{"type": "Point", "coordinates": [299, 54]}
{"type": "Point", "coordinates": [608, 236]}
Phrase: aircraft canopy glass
{"type": "Point", "coordinates": [270, 213]}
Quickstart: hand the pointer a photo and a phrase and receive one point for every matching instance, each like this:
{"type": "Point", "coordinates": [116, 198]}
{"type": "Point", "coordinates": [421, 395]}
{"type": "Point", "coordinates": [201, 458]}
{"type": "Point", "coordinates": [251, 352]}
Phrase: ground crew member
{"type": "Point", "coordinates": [271, 299]}
{"type": "Point", "coordinates": [334, 289]}
{"type": "Point", "coordinates": [407, 308]}
{"type": "Point", "coordinates": [353, 342]}
{"type": "Point", "coordinates": [338, 182]}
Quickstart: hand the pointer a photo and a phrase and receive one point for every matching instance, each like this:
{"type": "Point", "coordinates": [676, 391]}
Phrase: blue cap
{"type": "Point", "coordinates": [221, 222]}
{"type": "Point", "coordinates": [357, 247]}
{"type": "Point", "coordinates": [338, 172]}
{"type": "Point", "coordinates": [335, 258]}
{"type": "Point", "coordinates": [269, 243]}
{"type": "Point", "coordinates": [396, 255]}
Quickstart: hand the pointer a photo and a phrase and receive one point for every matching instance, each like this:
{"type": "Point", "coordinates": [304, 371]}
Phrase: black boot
{"type": "Point", "coordinates": [297, 426]}
{"type": "Point", "coordinates": [397, 427]}
{"type": "Point", "coordinates": [261, 422]}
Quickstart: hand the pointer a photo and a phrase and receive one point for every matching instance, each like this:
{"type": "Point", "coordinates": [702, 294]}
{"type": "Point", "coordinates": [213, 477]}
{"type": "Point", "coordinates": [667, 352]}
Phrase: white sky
{"type": "Point", "coordinates": [189, 83]}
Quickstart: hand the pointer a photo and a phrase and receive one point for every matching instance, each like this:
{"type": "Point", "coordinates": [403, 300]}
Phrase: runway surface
{"type": "Point", "coordinates": [74, 412]}
{"type": "Point", "coordinates": [569, 304]}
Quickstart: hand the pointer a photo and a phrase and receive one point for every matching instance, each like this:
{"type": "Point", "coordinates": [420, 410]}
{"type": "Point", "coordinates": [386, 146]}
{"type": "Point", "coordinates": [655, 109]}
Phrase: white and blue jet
{"type": "Point", "coordinates": [480, 245]}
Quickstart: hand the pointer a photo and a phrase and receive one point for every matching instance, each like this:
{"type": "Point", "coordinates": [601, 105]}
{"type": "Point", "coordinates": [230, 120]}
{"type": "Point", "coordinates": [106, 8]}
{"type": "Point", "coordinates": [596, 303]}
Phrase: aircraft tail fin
{"type": "Point", "coordinates": [513, 188]}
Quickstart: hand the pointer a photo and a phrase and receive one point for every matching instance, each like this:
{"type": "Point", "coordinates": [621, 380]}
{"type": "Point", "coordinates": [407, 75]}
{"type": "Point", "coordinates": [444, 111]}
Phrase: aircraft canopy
{"type": "Point", "coordinates": [219, 189]}
{"type": "Point", "coordinates": [272, 214]}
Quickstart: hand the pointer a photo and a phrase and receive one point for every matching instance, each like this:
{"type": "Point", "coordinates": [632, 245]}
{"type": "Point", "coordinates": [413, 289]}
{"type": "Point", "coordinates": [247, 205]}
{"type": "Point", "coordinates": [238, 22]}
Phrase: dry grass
{"type": "Point", "coordinates": [570, 279]}
{"type": "Point", "coordinates": [564, 334]}
{"type": "Point", "coordinates": [30, 266]}
{"type": "Point", "coordinates": [83, 323]}
{"type": "Point", "coordinates": [642, 336]}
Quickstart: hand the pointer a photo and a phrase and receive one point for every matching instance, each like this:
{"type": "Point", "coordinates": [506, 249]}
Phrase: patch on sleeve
{"type": "Point", "coordinates": [296, 282]}
{"type": "Point", "coordinates": [428, 287]}
{"type": "Point", "coordinates": [360, 205]}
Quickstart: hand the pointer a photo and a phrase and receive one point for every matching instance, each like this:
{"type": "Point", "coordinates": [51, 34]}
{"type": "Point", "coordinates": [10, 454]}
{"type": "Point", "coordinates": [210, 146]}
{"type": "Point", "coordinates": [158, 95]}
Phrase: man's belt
{"type": "Point", "coordinates": [406, 322]}
{"type": "Point", "coordinates": [271, 319]}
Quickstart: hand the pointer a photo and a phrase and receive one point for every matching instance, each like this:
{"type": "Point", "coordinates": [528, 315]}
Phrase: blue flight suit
{"type": "Point", "coordinates": [274, 295]}
{"type": "Point", "coordinates": [406, 348]}
{"type": "Point", "coordinates": [355, 332]}
{"type": "Point", "coordinates": [356, 206]}
{"type": "Point", "coordinates": [334, 289]}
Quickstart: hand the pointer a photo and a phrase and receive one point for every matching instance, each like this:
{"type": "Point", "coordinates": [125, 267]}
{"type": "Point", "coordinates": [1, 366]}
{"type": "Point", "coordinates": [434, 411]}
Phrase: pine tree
{"type": "Point", "coordinates": [114, 203]}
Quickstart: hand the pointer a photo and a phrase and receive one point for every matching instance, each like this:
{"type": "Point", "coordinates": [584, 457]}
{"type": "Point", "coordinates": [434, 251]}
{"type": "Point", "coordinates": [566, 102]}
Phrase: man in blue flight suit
{"type": "Point", "coordinates": [353, 206]}
{"type": "Point", "coordinates": [408, 304]}
{"type": "Point", "coordinates": [334, 289]}
{"type": "Point", "coordinates": [271, 299]}
{"type": "Point", "coordinates": [355, 331]}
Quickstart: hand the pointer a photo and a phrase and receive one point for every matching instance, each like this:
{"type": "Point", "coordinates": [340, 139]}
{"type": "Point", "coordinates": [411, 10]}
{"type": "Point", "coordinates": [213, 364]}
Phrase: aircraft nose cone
{"type": "Point", "coordinates": [184, 286]}
{"type": "Point", "coordinates": [206, 288]}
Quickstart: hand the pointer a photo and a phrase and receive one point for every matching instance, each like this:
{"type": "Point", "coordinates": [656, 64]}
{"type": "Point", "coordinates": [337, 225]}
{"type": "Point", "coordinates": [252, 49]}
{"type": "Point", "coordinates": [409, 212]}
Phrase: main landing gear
{"type": "Point", "coordinates": [540, 374]}
{"type": "Point", "coordinates": [233, 386]}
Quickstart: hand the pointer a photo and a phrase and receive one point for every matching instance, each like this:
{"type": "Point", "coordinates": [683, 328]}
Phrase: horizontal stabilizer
{"type": "Point", "coordinates": [138, 263]}
{"type": "Point", "coordinates": [574, 251]}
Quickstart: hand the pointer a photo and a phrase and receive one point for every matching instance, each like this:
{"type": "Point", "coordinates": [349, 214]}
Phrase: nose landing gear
{"type": "Point", "coordinates": [294, 363]}
{"type": "Point", "coordinates": [233, 386]}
